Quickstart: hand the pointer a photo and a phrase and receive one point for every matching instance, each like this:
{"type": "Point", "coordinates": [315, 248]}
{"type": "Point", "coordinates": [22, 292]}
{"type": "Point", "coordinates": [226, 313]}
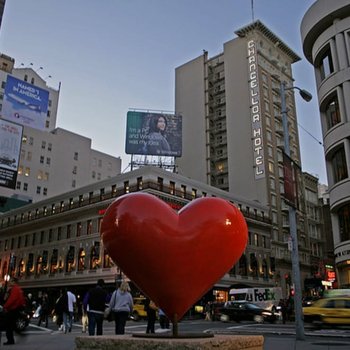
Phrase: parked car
{"type": "Point", "coordinates": [246, 311]}
{"type": "Point", "coordinates": [139, 311]}
{"type": "Point", "coordinates": [22, 320]}
{"type": "Point", "coordinates": [328, 311]}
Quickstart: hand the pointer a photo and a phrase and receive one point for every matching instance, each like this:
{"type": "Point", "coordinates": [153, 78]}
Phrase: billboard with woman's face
{"type": "Point", "coordinates": [155, 134]}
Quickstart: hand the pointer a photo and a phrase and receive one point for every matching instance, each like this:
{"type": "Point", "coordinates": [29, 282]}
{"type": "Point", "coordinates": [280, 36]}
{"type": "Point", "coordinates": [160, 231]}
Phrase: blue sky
{"type": "Point", "coordinates": [113, 55]}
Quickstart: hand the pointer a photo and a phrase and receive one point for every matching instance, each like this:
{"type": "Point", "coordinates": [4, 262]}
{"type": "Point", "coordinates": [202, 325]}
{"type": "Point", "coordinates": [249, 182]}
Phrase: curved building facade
{"type": "Point", "coordinates": [325, 31]}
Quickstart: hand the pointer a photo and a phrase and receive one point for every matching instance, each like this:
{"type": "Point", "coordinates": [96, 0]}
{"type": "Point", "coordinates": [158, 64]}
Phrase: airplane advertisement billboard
{"type": "Point", "coordinates": [25, 103]}
{"type": "Point", "coordinates": [10, 148]}
{"type": "Point", "coordinates": [154, 134]}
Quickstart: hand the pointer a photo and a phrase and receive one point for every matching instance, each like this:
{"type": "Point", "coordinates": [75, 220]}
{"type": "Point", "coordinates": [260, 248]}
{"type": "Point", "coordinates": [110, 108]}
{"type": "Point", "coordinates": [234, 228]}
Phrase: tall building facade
{"type": "Point", "coordinates": [52, 160]}
{"type": "Point", "coordinates": [56, 242]}
{"type": "Point", "coordinates": [233, 136]}
{"type": "Point", "coordinates": [325, 32]}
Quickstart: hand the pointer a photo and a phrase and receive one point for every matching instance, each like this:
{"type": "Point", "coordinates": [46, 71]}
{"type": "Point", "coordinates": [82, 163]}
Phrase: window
{"type": "Point", "coordinates": [47, 124]}
{"type": "Point", "coordinates": [332, 113]}
{"type": "Point", "coordinates": [339, 166]}
{"type": "Point", "coordinates": [93, 175]}
{"type": "Point", "coordinates": [48, 160]}
{"type": "Point", "coordinates": [45, 191]}
{"type": "Point", "coordinates": [48, 113]}
{"type": "Point", "coordinates": [42, 236]}
{"type": "Point", "coordinates": [126, 187]}
{"type": "Point", "coordinates": [326, 63]}
{"type": "Point", "coordinates": [25, 187]}
{"type": "Point", "coordinates": [79, 226]}
{"type": "Point", "coordinates": [172, 187]}
{"type": "Point", "coordinates": [29, 156]}
{"type": "Point", "coordinates": [344, 222]}
{"type": "Point", "coordinates": [73, 183]}
{"type": "Point", "coordinates": [89, 227]}
{"type": "Point", "coordinates": [38, 189]}
{"type": "Point", "coordinates": [41, 159]}
{"type": "Point", "coordinates": [74, 169]}
{"type": "Point", "coordinates": [18, 185]}
{"type": "Point", "coordinates": [31, 141]}
{"type": "Point", "coordinates": [43, 144]}
{"type": "Point", "coordinates": [139, 183]}
{"type": "Point", "coordinates": [49, 147]}
{"type": "Point", "coordinates": [25, 77]}
{"type": "Point", "coordinates": [27, 172]}
{"type": "Point", "coordinates": [50, 235]}
{"type": "Point", "coordinates": [76, 155]}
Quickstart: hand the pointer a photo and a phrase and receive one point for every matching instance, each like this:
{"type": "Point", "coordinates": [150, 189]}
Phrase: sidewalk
{"type": "Point", "coordinates": [311, 343]}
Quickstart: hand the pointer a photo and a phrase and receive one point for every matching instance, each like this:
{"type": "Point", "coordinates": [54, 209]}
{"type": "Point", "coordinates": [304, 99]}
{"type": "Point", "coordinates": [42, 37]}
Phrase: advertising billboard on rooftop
{"type": "Point", "coordinates": [25, 103]}
{"type": "Point", "coordinates": [156, 134]}
{"type": "Point", "coordinates": [10, 147]}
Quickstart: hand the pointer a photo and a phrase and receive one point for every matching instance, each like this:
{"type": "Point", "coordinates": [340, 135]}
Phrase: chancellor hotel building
{"type": "Point", "coordinates": [325, 31]}
{"type": "Point", "coordinates": [233, 137]}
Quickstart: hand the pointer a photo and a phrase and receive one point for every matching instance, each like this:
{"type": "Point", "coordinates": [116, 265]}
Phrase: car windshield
{"type": "Point", "coordinates": [252, 306]}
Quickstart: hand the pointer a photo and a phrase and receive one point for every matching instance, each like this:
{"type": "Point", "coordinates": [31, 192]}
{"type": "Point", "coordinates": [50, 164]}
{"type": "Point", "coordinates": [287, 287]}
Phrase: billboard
{"type": "Point", "coordinates": [24, 103]}
{"type": "Point", "coordinates": [10, 147]}
{"type": "Point", "coordinates": [155, 134]}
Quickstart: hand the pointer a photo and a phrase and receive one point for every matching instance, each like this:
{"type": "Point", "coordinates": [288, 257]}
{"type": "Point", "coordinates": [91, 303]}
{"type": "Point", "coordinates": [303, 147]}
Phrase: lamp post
{"type": "Point", "coordinates": [299, 323]}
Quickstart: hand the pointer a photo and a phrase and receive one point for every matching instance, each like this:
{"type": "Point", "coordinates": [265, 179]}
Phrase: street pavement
{"type": "Point", "coordinates": [275, 338]}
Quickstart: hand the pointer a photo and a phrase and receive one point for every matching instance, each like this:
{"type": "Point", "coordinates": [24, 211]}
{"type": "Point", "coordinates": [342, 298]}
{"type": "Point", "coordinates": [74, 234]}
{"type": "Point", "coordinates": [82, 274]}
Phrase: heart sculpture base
{"type": "Point", "coordinates": [172, 336]}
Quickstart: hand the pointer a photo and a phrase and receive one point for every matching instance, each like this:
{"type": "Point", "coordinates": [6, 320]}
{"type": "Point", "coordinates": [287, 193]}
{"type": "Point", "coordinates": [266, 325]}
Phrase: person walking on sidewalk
{"type": "Point", "coordinates": [96, 300]}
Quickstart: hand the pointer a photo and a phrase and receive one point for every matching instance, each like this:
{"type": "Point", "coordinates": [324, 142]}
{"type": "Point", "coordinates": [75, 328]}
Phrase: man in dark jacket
{"type": "Point", "coordinates": [95, 306]}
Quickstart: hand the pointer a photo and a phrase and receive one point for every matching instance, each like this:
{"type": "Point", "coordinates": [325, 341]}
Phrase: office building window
{"type": "Point", "coordinates": [38, 189]}
{"type": "Point", "coordinates": [76, 156]}
{"type": "Point", "coordinates": [339, 165]}
{"type": "Point", "coordinates": [45, 191]}
{"type": "Point", "coordinates": [27, 172]}
{"type": "Point", "coordinates": [25, 187]}
{"type": "Point", "coordinates": [73, 183]}
{"type": "Point", "coordinates": [41, 159]}
{"type": "Point", "coordinates": [79, 226]}
{"type": "Point", "coordinates": [31, 141]}
{"type": "Point", "coordinates": [332, 113]}
{"type": "Point", "coordinates": [43, 144]}
{"type": "Point", "coordinates": [18, 185]}
{"type": "Point", "coordinates": [344, 222]}
{"type": "Point", "coordinates": [326, 63]}
{"type": "Point", "coordinates": [49, 147]}
{"type": "Point", "coordinates": [47, 124]}
{"type": "Point", "coordinates": [48, 160]}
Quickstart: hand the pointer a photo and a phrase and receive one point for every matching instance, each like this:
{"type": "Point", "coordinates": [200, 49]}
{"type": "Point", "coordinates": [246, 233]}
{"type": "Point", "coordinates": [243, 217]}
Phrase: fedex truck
{"type": "Point", "coordinates": [266, 298]}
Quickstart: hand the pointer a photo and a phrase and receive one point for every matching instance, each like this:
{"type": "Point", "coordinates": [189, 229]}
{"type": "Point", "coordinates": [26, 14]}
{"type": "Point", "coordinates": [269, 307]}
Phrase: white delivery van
{"type": "Point", "coordinates": [266, 298]}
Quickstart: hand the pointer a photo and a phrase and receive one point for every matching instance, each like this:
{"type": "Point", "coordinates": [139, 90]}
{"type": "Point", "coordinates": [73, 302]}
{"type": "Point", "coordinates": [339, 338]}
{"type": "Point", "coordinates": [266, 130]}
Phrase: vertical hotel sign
{"type": "Point", "coordinates": [255, 111]}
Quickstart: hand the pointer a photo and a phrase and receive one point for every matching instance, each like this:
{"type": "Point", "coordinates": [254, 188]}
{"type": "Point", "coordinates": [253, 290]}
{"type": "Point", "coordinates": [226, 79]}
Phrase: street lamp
{"type": "Point", "coordinates": [299, 323]}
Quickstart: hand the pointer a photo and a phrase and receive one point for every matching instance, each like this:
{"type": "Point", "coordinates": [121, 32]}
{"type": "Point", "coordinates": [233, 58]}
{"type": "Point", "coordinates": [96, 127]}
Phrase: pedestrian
{"type": "Point", "coordinates": [96, 300]}
{"type": "Point", "coordinates": [163, 319]}
{"type": "Point", "coordinates": [60, 305]}
{"type": "Point", "coordinates": [151, 309]}
{"type": "Point", "coordinates": [14, 303]}
{"type": "Point", "coordinates": [85, 309]}
{"type": "Point", "coordinates": [44, 311]}
{"type": "Point", "coordinates": [121, 305]}
{"type": "Point", "coordinates": [208, 312]}
{"type": "Point", "coordinates": [68, 311]}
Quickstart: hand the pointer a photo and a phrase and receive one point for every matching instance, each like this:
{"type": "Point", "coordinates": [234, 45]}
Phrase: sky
{"type": "Point", "coordinates": [111, 56]}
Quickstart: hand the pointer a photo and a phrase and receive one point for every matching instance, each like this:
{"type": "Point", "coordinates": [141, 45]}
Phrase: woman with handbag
{"type": "Point", "coordinates": [121, 305]}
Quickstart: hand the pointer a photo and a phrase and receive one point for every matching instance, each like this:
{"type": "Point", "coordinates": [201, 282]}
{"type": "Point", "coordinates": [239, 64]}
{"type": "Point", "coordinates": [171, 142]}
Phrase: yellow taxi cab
{"type": "Point", "coordinates": [328, 311]}
{"type": "Point", "coordinates": [139, 311]}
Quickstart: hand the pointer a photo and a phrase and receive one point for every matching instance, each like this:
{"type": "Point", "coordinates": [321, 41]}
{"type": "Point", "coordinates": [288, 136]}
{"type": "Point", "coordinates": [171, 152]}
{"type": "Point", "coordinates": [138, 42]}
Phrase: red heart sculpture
{"type": "Point", "coordinates": [174, 258]}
